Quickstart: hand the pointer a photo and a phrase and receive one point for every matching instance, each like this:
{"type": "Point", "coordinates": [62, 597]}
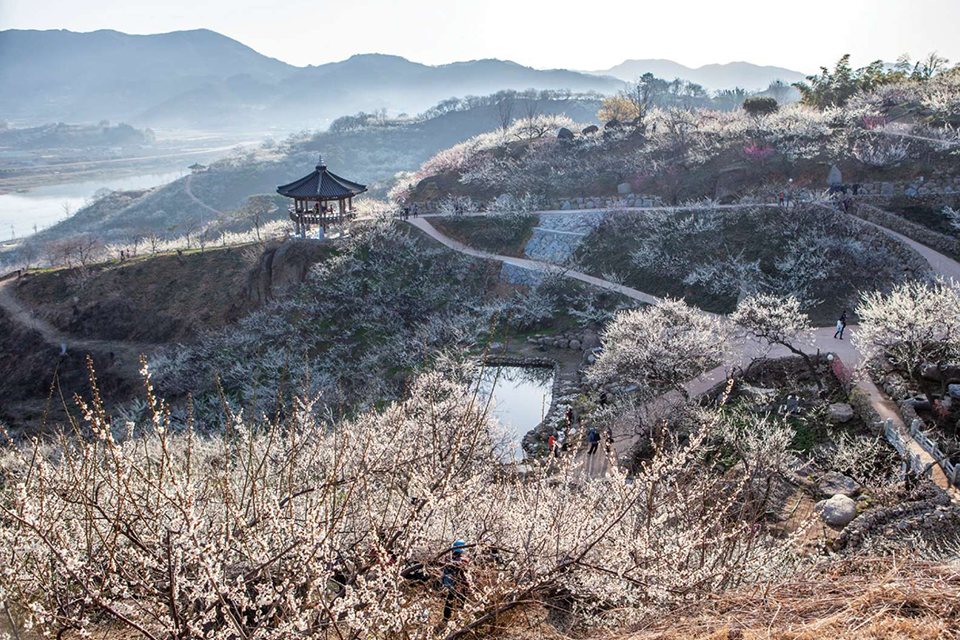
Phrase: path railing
{"type": "Point", "coordinates": [930, 445]}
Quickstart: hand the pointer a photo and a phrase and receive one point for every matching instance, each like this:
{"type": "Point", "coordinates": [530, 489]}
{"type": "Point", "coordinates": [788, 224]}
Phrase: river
{"type": "Point", "coordinates": [44, 206]}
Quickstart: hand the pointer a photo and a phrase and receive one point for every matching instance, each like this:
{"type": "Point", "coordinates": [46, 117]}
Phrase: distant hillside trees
{"type": "Point", "coordinates": [836, 88]}
{"type": "Point", "coordinates": [759, 106]}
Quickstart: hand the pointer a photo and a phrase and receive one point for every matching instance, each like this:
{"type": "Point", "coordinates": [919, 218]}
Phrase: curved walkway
{"type": "Point", "coordinates": [821, 339]}
{"type": "Point", "coordinates": [940, 264]}
{"type": "Point", "coordinates": [189, 191]}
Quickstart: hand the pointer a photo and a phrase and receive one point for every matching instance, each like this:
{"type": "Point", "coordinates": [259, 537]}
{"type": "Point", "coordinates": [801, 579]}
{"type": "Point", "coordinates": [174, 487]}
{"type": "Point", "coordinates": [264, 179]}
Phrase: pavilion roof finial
{"type": "Point", "coordinates": [320, 164]}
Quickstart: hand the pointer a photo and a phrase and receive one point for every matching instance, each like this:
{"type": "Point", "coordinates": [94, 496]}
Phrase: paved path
{"type": "Point", "coordinates": [820, 339]}
{"type": "Point", "coordinates": [939, 263]}
{"type": "Point", "coordinates": [945, 143]}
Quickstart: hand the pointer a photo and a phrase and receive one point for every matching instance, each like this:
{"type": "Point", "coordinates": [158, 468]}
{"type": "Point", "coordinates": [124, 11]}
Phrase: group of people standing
{"type": "Point", "coordinates": [406, 212]}
{"type": "Point", "coordinates": [559, 445]}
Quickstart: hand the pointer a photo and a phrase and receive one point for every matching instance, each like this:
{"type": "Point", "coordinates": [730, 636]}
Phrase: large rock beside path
{"type": "Point", "coordinates": [838, 511]}
{"type": "Point", "coordinates": [834, 483]}
{"type": "Point", "coordinates": [840, 412]}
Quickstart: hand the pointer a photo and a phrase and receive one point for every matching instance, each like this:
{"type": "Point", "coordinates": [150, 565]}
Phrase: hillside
{"type": "Point", "coordinates": [370, 154]}
{"type": "Point", "coordinates": [712, 76]}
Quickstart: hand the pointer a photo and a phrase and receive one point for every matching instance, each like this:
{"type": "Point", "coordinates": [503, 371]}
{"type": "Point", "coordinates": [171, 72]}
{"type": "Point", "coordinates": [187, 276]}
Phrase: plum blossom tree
{"type": "Point", "coordinates": [777, 321]}
{"type": "Point", "coordinates": [916, 322]}
{"type": "Point", "coordinates": [275, 528]}
{"type": "Point", "coordinates": [660, 347]}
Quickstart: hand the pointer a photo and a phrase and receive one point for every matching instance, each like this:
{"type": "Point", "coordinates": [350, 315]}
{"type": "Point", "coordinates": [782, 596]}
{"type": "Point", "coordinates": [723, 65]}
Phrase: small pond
{"type": "Point", "coordinates": [521, 397]}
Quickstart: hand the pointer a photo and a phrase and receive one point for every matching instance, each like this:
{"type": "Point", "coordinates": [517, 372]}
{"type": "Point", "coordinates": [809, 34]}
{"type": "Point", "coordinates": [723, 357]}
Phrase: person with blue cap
{"type": "Point", "coordinates": [453, 579]}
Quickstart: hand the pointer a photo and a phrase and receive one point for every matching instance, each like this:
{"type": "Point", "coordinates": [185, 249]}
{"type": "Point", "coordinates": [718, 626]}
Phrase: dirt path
{"type": "Point", "coordinates": [189, 191]}
{"type": "Point", "coordinates": [821, 339]}
{"type": "Point", "coordinates": [22, 315]}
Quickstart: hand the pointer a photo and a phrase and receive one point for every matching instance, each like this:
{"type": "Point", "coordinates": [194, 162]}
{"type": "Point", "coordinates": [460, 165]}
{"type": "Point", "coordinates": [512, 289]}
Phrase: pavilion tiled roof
{"type": "Point", "coordinates": [321, 184]}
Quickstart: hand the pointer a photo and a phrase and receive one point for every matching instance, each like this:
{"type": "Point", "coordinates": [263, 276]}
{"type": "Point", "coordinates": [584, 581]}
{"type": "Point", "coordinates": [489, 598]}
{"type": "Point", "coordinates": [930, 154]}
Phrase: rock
{"type": "Point", "coordinates": [575, 344]}
{"type": "Point", "coordinates": [283, 268]}
{"type": "Point", "coordinates": [834, 177]}
{"type": "Point", "coordinates": [919, 402]}
{"type": "Point", "coordinates": [840, 412]}
{"type": "Point", "coordinates": [496, 346]}
{"type": "Point", "coordinates": [623, 188]}
{"type": "Point", "coordinates": [589, 130]}
{"type": "Point", "coordinates": [834, 483]}
{"type": "Point", "coordinates": [757, 393]}
{"type": "Point", "coordinates": [929, 371]}
{"type": "Point", "coordinates": [838, 511]}
{"type": "Point", "coordinates": [564, 134]}
{"type": "Point", "coordinates": [954, 390]}
{"type": "Point", "coordinates": [591, 339]}
{"type": "Point", "coordinates": [591, 358]}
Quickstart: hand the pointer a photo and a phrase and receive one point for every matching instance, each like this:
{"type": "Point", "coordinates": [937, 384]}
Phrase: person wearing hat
{"type": "Point", "coordinates": [453, 579]}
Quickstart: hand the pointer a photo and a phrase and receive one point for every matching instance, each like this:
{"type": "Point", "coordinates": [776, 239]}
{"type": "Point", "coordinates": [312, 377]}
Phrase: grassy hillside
{"type": "Point", "coordinates": [153, 299]}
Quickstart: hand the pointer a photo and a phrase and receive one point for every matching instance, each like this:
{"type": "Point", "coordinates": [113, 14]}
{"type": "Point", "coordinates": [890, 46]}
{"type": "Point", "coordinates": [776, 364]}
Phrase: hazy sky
{"type": "Point", "coordinates": [800, 35]}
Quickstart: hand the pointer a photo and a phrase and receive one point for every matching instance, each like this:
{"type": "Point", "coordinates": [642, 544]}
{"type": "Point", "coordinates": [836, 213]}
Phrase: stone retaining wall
{"type": "Point", "coordinates": [512, 274]}
{"type": "Point", "coordinates": [605, 202]}
{"type": "Point", "coordinates": [936, 241]}
{"type": "Point", "coordinates": [932, 516]}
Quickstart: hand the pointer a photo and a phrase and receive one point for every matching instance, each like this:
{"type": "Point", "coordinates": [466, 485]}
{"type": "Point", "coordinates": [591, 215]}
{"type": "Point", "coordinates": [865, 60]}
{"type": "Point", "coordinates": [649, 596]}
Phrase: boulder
{"type": "Point", "coordinates": [623, 188]}
{"type": "Point", "coordinates": [837, 511]}
{"type": "Point", "coordinates": [282, 268]}
{"type": "Point", "coordinates": [575, 344]}
{"type": "Point", "coordinates": [496, 347]}
{"type": "Point", "coordinates": [833, 484]}
{"type": "Point", "coordinates": [564, 134]}
{"type": "Point", "coordinates": [840, 412]}
{"type": "Point", "coordinates": [591, 339]}
{"type": "Point", "coordinates": [589, 130]}
{"type": "Point", "coordinates": [919, 402]}
{"type": "Point", "coordinates": [953, 390]}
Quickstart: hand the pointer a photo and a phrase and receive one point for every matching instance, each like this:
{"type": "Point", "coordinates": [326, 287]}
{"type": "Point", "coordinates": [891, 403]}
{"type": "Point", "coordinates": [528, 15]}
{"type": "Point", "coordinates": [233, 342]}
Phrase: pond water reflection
{"type": "Point", "coordinates": [521, 397]}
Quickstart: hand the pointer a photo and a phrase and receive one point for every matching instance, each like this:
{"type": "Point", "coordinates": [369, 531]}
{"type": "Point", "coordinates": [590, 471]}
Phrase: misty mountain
{"type": "Point", "coordinates": [63, 75]}
{"type": "Point", "coordinates": [204, 79]}
{"type": "Point", "coordinates": [371, 81]}
{"type": "Point", "coordinates": [712, 76]}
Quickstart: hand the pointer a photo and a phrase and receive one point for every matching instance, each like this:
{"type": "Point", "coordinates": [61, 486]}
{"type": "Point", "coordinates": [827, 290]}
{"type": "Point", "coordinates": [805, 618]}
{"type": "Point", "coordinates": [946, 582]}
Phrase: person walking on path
{"type": "Point", "coordinates": [453, 580]}
{"type": "Point", "coordinates": [780, 199]}
{"type": "Point", "coordinates": [594, 438]}
{"type": "Point", "coordinates": [841, 325]}
{"type": "Point", "coordinates": [415, 210]}
{"type": "Point", "coordinates": [552, 445]}
{"type": "Point", "coordinates": [608, 444]}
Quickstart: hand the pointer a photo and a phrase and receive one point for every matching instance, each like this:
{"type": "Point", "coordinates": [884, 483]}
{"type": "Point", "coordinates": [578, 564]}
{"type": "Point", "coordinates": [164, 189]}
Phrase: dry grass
{"type": "Point", "coordinates": [855, 598]}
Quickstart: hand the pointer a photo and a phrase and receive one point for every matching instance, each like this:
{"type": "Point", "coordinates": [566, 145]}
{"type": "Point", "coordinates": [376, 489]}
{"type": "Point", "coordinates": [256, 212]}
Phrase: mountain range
{"type": "Point", "coordinates": [202, 79]}
{"type": "Point", "coordinates": [712, 76]}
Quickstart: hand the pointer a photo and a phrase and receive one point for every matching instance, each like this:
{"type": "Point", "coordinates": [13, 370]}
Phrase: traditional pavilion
{"type": "Point", "coordinates": [312, 197]}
